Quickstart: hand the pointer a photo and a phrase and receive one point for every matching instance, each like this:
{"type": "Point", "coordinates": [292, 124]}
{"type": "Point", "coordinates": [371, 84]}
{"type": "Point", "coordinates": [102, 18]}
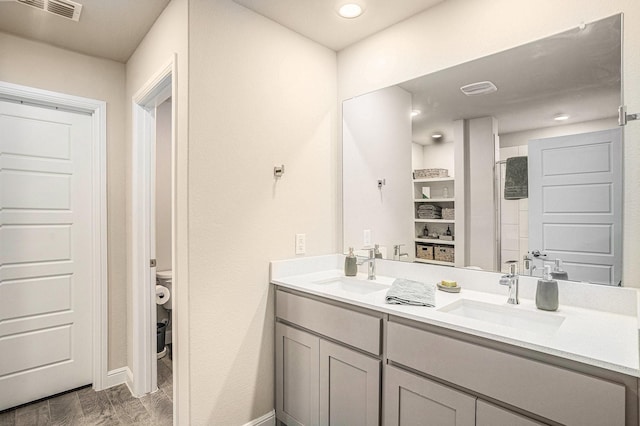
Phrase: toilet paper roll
{"type": "Point", "coordinates": [162, 295]}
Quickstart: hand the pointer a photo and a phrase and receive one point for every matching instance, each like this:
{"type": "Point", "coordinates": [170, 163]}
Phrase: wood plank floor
{"type": "Point", "coordinates": [113, 406]}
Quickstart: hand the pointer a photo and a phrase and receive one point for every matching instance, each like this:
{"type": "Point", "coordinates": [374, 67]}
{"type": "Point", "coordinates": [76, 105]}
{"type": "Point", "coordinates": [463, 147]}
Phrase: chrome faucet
{"type": "Point", "coordinates": [371, 261]}
{"type": "Point", "coordinates": [397, 254]}
{"type": "Point", "coordinates": [511, 279]}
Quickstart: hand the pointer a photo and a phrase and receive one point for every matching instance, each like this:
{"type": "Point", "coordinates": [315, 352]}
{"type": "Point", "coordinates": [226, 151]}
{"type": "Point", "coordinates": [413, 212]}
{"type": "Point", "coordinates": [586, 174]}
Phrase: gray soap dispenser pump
{"type": "Point", "coordinates": [350, 264]}
{"type": "Point", "coordinates": [547, 292]}
{"type": "Point", "coordinates": [558, 273]}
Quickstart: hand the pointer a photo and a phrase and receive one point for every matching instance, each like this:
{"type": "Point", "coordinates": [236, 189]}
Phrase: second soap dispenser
{"type": "Point", "coordinates": [350, 264]}
{"type": "Point", "coordinates": [547, 292]}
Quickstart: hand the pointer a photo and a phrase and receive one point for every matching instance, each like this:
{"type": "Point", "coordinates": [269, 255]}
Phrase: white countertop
{"type": "Point", "coordinates": [602, 338]}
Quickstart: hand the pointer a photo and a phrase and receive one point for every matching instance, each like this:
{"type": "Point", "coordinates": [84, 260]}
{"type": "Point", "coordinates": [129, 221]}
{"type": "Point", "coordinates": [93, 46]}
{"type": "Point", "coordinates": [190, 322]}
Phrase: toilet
{"type": "Point", "coordinates": [164, 278]}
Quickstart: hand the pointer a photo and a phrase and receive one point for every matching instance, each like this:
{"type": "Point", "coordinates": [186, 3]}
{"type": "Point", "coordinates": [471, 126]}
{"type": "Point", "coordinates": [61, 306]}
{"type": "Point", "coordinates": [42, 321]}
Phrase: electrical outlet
{"type": "Point", "coordinates": [301, 243]}
{"type": "Point", "coordinates": [367, 237]}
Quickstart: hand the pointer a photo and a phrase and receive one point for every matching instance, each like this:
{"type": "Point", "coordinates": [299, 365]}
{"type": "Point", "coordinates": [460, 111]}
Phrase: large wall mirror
{"type": "Point", "coordinates": [514, 157]}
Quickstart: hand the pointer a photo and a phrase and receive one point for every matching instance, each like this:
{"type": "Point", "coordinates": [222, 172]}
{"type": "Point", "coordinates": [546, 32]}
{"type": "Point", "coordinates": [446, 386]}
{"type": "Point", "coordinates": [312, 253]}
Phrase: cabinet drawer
{"type": "Point", "coordinates": [414, 400]}
{"type": "Point", "coordinates": [491, 415]}
{"type": "Point", "coordinates": [359, 330]}
{"type": "Point", "coordinates": [556, 393]}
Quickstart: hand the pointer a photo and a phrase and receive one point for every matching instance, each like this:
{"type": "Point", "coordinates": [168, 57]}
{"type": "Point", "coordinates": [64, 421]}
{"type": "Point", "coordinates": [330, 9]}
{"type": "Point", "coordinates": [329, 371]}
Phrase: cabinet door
{"type": "Point", "coordinates": [414, 400]}
{"type": "Point", "coordinates": [492, 415]}
{"type": "Point", "coordinates": [349, 387]}
{"type": "Point", "coordinates": [297, 384]}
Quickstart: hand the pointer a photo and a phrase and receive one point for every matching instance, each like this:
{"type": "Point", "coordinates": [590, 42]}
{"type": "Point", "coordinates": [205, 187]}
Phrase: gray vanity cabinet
{"type": "Point", "coordinates": [552, 392]}
{"type": "Point", "coordinates": [413, 400]}
{"type": "Point", "coordinates": [320, 381]}
{"type": "Point", "coordinates": [330, 359]}
{"type": "Point", "coordinates": [410, 399]}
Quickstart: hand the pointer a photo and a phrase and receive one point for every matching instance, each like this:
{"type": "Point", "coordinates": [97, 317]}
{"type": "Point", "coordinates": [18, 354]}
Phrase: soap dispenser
{"type": "Point", "coordinates": [547, 292]}
{"type": "Point", "coordinates": [558, 273]}
{"type": "Point", "coordinates": [350, 264]}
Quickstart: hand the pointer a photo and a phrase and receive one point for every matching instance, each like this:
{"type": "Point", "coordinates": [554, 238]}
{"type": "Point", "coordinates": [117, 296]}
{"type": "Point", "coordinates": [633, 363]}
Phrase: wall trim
{"type": "Point", "coordinates": [98, 111]}
{"type": "Point", "coordinates": [268, 419]}
{"type": "Point", "coordinates": [118, 376]}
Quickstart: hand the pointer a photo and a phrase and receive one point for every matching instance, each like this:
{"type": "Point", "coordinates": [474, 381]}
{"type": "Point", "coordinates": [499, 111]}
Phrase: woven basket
{"type": "Point", "coordinates": [448, 214]}
{"type": "Point", "coordinates": [444, 254]}
{"type": "Point", "coordinates": [424, 252]}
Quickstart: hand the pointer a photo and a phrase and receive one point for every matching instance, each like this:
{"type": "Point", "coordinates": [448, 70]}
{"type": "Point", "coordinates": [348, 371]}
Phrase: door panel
{"type": "Point", "coordinates": [55, 296]}
{"type": "Point", "coordinates": [575, 203]}
{"type": "Point", "coordinates": [46, 234]}
{"type": "Point", "coordinates": [349, 387]}
{"type": "Point", "coordinates": [297, 379]}
{"type": "Point", "coordinates": [25, 134]}
{"type": "Point", "coordinates": [35, 243]}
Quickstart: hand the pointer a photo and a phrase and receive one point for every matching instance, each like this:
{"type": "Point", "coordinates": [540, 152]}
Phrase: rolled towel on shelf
{"type": "Point", "coordinates": [429, 215]}
{"type": "Point", "coordinates": [430, 207]}
{"type": "Point", "coordinates": [408, 292]}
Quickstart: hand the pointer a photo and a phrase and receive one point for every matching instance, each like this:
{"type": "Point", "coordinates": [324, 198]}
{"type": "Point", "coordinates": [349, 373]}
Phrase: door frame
{"type": "Point", "coordinates": [156, 90]}
{"type": "Point", "coordinates": [99, 296]}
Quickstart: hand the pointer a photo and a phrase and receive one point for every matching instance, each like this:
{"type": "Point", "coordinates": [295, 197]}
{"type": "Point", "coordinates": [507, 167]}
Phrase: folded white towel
{"type": "Point", "coordinates": [408, 292]}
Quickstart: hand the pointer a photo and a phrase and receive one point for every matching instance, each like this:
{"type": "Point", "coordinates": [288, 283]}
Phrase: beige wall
{"type": "Point", "coordinates": [163, 186]}
{"type": "Point", "coordinates": [375, 126]}
{"type": "Point", "coordinates": [457, 31]}
{"type": "Point", "coordinates": [260, 96]}
{"type": "Point", "coordinates": [42, 66]}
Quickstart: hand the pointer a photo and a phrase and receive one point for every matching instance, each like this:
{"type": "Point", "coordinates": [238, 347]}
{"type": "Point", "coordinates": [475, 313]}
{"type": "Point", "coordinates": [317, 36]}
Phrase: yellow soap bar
{"type": "Point", "coordinates": [445, 283]}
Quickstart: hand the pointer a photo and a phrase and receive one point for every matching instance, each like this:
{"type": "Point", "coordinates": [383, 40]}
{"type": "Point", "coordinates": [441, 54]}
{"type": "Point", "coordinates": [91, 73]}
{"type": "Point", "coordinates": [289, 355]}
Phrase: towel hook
{"type": "Point", "coordinates": [623, 117]}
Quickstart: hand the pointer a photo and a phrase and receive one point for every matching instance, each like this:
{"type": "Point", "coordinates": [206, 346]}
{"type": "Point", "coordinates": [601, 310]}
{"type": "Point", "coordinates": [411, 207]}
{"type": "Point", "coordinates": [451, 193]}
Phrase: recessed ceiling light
{"type": "Point", "coordinates": [436, 136]}
{"type": "Point", "coordinates": [561, 117]}
{"type": "Point", "coordinates": [415, 112]}
{"type": "Point", "coordinates": [350, 10]}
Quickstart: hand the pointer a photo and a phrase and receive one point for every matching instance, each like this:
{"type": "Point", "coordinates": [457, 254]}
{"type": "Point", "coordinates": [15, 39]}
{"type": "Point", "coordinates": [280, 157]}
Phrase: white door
{"type": "Point", "coordinates": [575, 203]}
{"type": "Point", "coordinates": [45, 252]}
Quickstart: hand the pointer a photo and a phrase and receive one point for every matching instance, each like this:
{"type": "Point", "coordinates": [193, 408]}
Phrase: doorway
{"type": "Point", "coordinates": [153, 204]}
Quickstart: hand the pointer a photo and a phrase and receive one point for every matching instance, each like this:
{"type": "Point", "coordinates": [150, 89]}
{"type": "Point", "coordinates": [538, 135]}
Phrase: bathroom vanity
{"type": "Point", "coordinates": [344, 356]}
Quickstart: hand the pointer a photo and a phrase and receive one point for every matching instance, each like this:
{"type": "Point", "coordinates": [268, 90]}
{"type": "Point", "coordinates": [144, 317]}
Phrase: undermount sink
{"type": "Point", "coordinates": [352, 285]}
{"type": "Point", "coordinates": [508, 316]}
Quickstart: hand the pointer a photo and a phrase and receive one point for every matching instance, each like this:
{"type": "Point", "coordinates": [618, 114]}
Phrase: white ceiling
{"type": "Point", "coordinates": [109, 29]}
{"type": "Point", "coordinates": [576, 72]}
{"type": "Point", "coordinates": [319, 20]}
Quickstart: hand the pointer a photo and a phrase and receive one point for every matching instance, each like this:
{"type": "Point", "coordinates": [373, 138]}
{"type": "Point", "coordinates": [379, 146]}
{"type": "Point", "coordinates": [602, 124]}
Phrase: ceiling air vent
{"type": "Point", "coordinates": [66, 9]}
{"type": "Point", "coordinates": [480, 88]}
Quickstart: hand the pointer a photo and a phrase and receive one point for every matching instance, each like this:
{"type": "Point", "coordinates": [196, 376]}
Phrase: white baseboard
{"type": "Point", "coordinates": [118, 376]}
{"type": "Point", "coordinates": [268, 419]}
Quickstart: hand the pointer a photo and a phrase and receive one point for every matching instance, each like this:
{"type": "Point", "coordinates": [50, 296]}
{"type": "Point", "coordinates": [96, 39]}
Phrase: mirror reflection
{"type": "Point", "coordinates": [514, 157]}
